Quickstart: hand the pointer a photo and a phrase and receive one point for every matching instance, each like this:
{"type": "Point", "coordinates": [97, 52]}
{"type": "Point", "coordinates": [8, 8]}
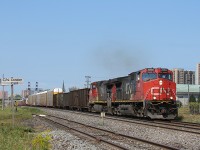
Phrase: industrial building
{"type": "Point", "coordinates": [183, 92]}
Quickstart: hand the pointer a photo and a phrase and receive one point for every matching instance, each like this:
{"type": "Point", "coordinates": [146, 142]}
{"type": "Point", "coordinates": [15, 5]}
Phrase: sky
{"type": "Point", "coordinates": [52, 41]}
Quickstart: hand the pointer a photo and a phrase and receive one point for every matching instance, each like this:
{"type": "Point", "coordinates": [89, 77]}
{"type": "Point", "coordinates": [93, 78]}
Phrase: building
{"type": "Point", "coordinates": [25, 93]}
{"type": "Point", "coordinates": [183, 92]}
{"type": "Point", "coordinates": [30, 91]}
{"type": "Point", "coordinates": [5, 94]}
{"type": "Point", "coordinates": [197, 81]}
{"type": "Point", "coordinates": [180, 76]}
{"type": "Point", "coordinates": [189, 77]}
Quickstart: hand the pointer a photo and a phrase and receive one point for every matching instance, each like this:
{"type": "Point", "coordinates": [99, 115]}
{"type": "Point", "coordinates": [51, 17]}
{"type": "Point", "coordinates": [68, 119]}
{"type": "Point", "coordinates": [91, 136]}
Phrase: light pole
{"type": "Point", "coordinates": [199, 99]}
{"type": "Point", "coordinates": [199, 96]}
{"type": "Point", "coordinates": [12, 103]}
{"type": "Point", "coordinates": [188, 93]}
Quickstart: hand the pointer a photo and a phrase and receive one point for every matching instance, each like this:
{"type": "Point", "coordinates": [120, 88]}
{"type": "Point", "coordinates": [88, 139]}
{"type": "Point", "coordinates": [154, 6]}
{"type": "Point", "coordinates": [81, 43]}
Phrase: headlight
{"type": "Point", "coordinates": [160, 82]}
{"type": "Point", "coordinates": [154, 97]}
{"type": "Point", "coordinates": [171, 97]}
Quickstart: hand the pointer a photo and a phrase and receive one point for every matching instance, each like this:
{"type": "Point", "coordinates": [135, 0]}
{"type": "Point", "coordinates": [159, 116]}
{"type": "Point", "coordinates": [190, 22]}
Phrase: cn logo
{"type": "Point", "coordinates": [158, 91]}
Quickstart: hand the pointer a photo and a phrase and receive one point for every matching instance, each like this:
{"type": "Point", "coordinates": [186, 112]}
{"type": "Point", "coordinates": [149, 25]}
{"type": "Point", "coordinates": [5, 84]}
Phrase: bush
{"type": "Point", "coordinates": [179, 104]}
{"type": "Point", "coordinates": [42, 141]}
{"type": "Point", "coordinates": [198, 99]}
{"type": "Point", "coordinates": [192, 98]}
{"type": "Point", "coordinates": [194, 107]}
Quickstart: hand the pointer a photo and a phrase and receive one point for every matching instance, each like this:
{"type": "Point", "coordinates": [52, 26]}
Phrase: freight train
{"type": "Point", "coordinates": [149, 92]}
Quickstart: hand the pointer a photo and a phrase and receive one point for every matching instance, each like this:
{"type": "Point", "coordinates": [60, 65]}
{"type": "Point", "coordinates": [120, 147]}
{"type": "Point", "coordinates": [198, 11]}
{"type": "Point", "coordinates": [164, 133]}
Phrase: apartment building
{"type": "Point", "coordinates": [5, 94]}
{"type": "Point", "coordinates": [181, 76]}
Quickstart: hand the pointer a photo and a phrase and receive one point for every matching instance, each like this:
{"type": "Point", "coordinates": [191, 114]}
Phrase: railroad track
{"type": "Point", "coordinates": [171, 125]}
{"type": "Point", "coordinates": [117, 140]}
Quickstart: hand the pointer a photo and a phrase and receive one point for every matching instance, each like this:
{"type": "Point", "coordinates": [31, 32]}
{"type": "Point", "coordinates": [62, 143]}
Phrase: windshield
{"type": "Point", "coordinates": [148, 76]}
{"type": "Point", "coordinates": [165, 76]}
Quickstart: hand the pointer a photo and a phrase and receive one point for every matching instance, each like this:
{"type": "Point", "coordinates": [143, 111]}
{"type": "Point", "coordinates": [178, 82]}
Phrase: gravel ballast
{"type": "Point", "coordinates": [180, 140]}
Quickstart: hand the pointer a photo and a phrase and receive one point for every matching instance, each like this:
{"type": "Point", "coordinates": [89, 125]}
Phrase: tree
{"type": "Point", "coordinates": [178, 103]}
{"type": "Point", "coordinates": [198, 99]}
{"type": "Point", "coordinates": [192, 98]}
{"type": "Point", "coordinates": [17, 97]}
{"type": "Point", "coordinates": [73, 88]}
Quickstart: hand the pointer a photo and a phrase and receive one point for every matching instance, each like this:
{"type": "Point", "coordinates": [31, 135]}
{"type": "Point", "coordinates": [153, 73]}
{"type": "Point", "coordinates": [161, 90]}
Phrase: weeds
{"type": "Point", "coordinates": [42, 141]}
{"type": "Point", "coordinates": [14, 138]}
{"type": "Point", "coordinates": [185, 115]}
{"type": "Point", "coordinates": [18, 137]}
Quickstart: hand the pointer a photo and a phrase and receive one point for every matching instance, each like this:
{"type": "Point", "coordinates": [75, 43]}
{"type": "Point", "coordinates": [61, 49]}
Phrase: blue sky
{"type": "Point", "coordinates": [50, 41]}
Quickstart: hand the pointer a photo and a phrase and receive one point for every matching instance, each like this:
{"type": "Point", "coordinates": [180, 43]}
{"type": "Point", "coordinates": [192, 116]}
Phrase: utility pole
{"type": "Point", "coordinates": [3, 96]}
{"type": "Point", "coordinates": [87, 81]}
{"type": "Point", "coordinates": [199, 99]}
{"type": "Point", "coordinates": [12, 97]}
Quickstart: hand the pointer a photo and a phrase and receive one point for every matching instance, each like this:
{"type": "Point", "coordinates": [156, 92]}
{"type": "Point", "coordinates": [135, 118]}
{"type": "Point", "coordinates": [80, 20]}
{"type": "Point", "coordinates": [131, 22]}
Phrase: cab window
{"type": "Point", "coordinates": [149, 76]}
{"type": "Point", "coordinates": [93, 86]}
{"type": "Point", "coordinates": [165, 76]}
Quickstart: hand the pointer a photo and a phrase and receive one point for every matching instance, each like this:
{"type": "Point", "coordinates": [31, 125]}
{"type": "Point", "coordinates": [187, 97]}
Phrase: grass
{"type": "Point", "coordinates": [185, 115]}
{"type": "Point", "coordinates": [18, 137]}
{"type": "Point", "coordinates": [21, 114]}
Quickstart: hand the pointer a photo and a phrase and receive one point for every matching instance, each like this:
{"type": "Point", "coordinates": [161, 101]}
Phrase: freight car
{"type": "Point", "coordinates": [43, 99]}
{"type": "Point", "coordinates": [74, 100]}
{"type": "Point", "coordinates": [150, 93]}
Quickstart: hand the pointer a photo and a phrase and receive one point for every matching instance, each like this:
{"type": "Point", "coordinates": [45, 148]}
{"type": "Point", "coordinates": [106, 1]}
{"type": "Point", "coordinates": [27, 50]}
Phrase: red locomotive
{"type": "Point", "coordinates": [150, 92]}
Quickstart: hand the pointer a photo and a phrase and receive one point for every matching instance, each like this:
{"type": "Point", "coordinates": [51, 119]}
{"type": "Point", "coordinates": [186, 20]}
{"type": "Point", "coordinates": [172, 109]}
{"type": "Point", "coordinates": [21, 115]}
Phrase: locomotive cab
{"type": "Point", "coordinates": [159, 93]}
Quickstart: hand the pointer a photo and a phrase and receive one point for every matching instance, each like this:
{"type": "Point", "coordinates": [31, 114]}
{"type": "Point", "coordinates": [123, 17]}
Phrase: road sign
{"type": "Point", "coordinates": [9, 81]}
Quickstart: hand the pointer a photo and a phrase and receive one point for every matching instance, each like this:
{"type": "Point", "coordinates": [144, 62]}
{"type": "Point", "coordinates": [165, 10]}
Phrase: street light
{"type": "Point", "coordinates": [199, 99]}
{"type": "Point", "coordinates": [199, 90]}
{"type": "Point", "coordinates": [188, 93]}
{"type": "Point", "coordinates": [199, 96]}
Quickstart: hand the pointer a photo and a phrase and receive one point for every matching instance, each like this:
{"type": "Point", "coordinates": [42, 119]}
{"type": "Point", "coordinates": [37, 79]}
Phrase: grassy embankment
{"type": "Point", "coordinates": [19, 137]}
{"type": "Point", "coordinates": [185, 115]}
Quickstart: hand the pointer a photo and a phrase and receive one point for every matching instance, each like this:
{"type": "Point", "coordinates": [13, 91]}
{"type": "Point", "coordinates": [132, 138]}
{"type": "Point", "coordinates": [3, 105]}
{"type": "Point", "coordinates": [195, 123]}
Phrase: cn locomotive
{"type": "Point", "coordinates": [149, 92]}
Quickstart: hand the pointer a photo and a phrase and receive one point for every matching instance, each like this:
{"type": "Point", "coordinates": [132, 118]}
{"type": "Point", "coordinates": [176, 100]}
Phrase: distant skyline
{"type": "Point", "coordinates": [51, 41]}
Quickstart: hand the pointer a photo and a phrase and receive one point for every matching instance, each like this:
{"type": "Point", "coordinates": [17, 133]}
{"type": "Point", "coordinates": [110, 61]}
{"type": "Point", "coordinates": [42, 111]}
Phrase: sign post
{"type": "Point", "coordinates": [12, 91]}
{"type": "Point", "coordinates": [102, 117]}
{"type": "Point", "coordinates": [11, 81]}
